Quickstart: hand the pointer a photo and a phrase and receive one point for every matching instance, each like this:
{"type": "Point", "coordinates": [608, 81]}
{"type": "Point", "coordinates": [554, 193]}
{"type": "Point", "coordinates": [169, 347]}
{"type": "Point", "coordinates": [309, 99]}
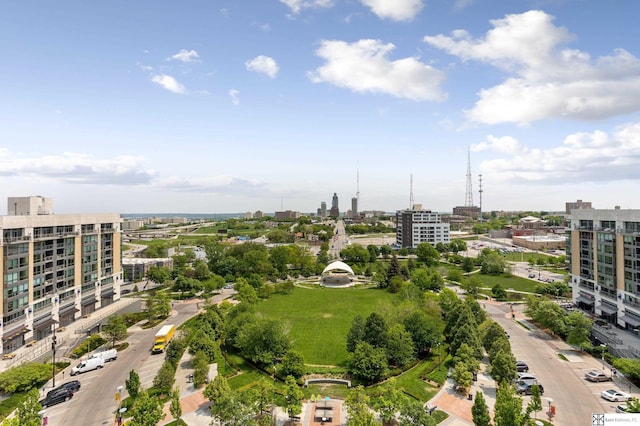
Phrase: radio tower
{"type": "Point", "coordinates": [411, 192]}
{"type": "Point", "coordinates": [468, 202]}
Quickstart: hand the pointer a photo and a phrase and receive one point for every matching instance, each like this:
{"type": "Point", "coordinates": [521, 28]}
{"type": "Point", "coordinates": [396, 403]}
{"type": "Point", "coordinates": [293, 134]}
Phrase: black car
{"type": "Point", "coordinates": [522, 367]}
{"type": "Point", "coordinates": [73, 386]}
{"type": "Point", "coordinates": [56, 397]}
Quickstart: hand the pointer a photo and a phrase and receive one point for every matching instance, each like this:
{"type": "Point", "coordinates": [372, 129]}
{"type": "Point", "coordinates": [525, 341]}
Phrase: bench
{"type": "Point", "coordinates": [30, 343]}
{"type": "Point", "coordinates": [8, 356]}
{"type": "Point", "coordinates": [328, 380]}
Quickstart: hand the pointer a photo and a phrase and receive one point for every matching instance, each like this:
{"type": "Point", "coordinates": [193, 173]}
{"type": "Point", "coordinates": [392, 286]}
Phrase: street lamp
{"type": "Point", "coordinates": [119, 399]}
{"type": "Point", "coordinates": [550, 400]}
{"type": "Point", "coordinates": [603, 345]}
{"type": "Point", "coordinates": [53, 356]}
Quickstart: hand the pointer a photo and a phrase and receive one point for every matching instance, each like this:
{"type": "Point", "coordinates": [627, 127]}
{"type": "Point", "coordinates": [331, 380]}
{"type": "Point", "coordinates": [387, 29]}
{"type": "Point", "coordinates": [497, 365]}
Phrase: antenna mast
{"type": "Point", "coordinates": [468, 202]}
{"type": "Point", "coordinates": [411, 192]}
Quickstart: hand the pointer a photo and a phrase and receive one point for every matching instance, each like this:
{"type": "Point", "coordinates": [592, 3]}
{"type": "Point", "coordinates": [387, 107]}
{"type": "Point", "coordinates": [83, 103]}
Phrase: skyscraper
{"type": "Point", "coordinates": [323, 209]}
{"type": "Point", "coordinates": [354, 207]}
{"type": "Point", "coordinates": [335, 211]}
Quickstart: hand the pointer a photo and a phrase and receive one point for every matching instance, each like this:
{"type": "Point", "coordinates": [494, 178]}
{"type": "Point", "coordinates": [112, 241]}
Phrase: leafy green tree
{"type": "Point", "coordinates": [508, 408]}
{"type": "Point", "coordinates": [357, 405]}
{"type": "Point", "coordinates": [200, 364]}
{"type": "Point", "coordinates": [264, 393]}
{"type": "Point", "coordinates": [201, 269]}
{"type": "Point", "coordinates": [375, 330]}
{"type": "Point", "coordinates": [263, 341]}
{"type": "Point", "coordinates": [165, 378]}
{"type": "Point", "coordinates": [395, 284]}
{"type": "Point", "coordinates": [503, 367]}
{"type": "Point", "coordinates": [147, 411]}
{"type": "Point", "coordinates": [115, 329]}
{"type": "Point", "coordinates": [427, 254]}
{"type": "Point", "coordinates": [355, 254]}
{"type": "Point", "coordinates": [175, 408]}
{"type": "Point", "coordinates": [413, 414]}
{"type": "Point", "coordinates": [465, 355]}
{"type": "Point", "coordinates": [201, 343]}
{"type": "Point", "coordinates": [490, 331]}
{"type": "Point", "coordinates": [578, 329]}
{"type": "Point", "coordinates": [400, 349]}
{"type": "Point", "coordinates": [356, 333]}
{"type": "Point", "coordinates": [246, 292]}
{"type": "Point", "coordinates": [423, 329]}
{"type": "Point", "coordinates": [499, 292]}
{"type": "Point", "coordinates": [186, 285]}
{"type": "Point", "coordinates": [389, 402]}
{"type": "Point", "coordinates": [158, 274]}
{"type": "Point", "coordinates": [393, 270]}
{"type": "Point", "coordinates": [480, 411]}
{"type": "Point", "coordinates": [633, 405]}
{"type": "Point", "coordinates": [292, 364]}
{"type": "Point", "coordinates": [133, 384]}
{"type": "Point", "coordinates": [456, 245]}
{"type": "Point", "coordinates": [630, 367]}
{"type": "Point", "coordinates": [368, 363]}
{"type": "Point", "coordinates": [535, 404]}
{"type": "Point", "coordinates": [293, 397]}
{"type": "Point", "coordinates": [462, 376]}
{"type": "Point", "coordinates": [468, 264]}
{"type": "Point", "coordinates": [24, 377]}
{"type": "Point", "coordinates": [28, 409]}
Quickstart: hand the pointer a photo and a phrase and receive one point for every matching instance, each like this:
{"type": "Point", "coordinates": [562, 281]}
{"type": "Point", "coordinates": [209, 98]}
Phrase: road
{"type": "Point", "coordinates": [575, 399]}
{"type": "Point", "coordinates": [95, 404]}
{"type": "Point", "coordinates": [339, 240]}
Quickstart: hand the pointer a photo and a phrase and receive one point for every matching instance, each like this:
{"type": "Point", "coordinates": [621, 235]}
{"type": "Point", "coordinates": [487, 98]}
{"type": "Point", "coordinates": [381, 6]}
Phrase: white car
{"type": "Point", "coordinates": [615, 395]}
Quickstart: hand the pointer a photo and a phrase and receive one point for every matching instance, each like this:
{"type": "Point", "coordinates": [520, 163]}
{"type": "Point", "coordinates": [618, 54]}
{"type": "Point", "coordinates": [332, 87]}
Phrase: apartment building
{"type": "Point", "coordinates": [55, 268]}
{"type": "Point", "coordinates": [417, 226]}
{"type": "Point", "coordinates": [603, 250]}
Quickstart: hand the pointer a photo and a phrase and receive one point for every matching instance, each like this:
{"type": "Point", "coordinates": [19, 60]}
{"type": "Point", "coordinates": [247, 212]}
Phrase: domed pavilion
{"type": "Point", "coordinates": [337, 274]}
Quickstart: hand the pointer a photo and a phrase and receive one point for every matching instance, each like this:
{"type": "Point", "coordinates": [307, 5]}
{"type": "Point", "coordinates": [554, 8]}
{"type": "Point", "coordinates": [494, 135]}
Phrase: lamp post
{"type": "Point", "coordinates": [53, 356]}
{"type": "Point", "coordinates": [550, 400]}
{"type": "Point", "coordinates": [119, 399]}
{"type": "Point", "coordinates": [603, 345]}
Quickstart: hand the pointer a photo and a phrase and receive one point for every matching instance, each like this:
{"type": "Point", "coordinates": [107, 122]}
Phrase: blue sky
{"type": "Point", "coordinates": [232, 106]}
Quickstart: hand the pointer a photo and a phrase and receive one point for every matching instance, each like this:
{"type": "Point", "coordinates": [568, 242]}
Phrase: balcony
{"type": "Point", "coordinates": [630, 303]}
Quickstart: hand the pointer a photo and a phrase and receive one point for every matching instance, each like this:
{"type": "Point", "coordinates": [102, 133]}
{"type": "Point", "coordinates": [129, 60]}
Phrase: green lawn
{"type": "Point", "coordinates": [319, 319]}
{"type": "Point", "coordinates": [508, 282]}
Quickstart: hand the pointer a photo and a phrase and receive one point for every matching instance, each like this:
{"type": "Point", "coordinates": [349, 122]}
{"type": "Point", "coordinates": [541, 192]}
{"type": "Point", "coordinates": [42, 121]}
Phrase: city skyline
{"type": "Point", "coordinates": [227, 107]}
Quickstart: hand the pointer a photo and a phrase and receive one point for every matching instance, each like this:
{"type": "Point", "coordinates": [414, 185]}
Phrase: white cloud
{"type": "Point", "coordinates": [185, 56]}
{"type": "Point", "coordinates": [297, 5]}
{"type": "Point", "coordinates": [264, 65]}
{"type": "Point", "coordinates": [222, 184]}
{"type": "Point", "coordinates": [582, 157]}
{"type": "Point", "coordinates": [77, 168]}
{"type": "Point", "coordinates": [363, 67]}
{"type": "Point", "coordinates": [396, 10]}
{"type": "Point", "coordinates": [169, 83]}
{"type": "Point", "coordinates": [233, 94]}
{"type": "Point", "coordinates": [462, 4]}
{"type": "Point", "coordinates": [543, 80]}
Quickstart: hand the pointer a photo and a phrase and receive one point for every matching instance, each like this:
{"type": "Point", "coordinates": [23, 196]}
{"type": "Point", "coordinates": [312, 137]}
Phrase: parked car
{"type": "Point", "coordinates": [622, 408]}
{"type": "Point", "coordinates": [524, 387]}
{"type": "Point", "coordinates": [73, 386]}
{"type": "Point", "coordinates": [88, 365]}
{"type": "Point", "coordinates": [525, 377]}
{"type": "Point", "coordinates": [615, 395]}
{"type": "Point", "coordinates": [521, 366]}
{"type": "Point", "coordinates": [532, 275]}
{"type": "Point", "coordinates": [108, 355]}
{"type": "Point", "coordinates": [56, 397]}
{"type": "Point", "coordinates": [597, 376]}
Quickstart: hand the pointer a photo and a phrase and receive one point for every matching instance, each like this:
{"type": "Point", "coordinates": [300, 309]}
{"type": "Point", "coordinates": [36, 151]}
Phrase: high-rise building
{"type": "Point", "coordinates": [354, 207]}
{"type": "Point", "coordinates": [323, 209]}
{"type": "Point", "coordinates": [417, 226]}
{"type": "Point", "coordinates": [55, 268]}
{"type": "Point", "coordinates": [335, 211]}
{"type": "Point", "coordinates": [603, 251]}
{"type": "Point", "coordinates": [579, 204]}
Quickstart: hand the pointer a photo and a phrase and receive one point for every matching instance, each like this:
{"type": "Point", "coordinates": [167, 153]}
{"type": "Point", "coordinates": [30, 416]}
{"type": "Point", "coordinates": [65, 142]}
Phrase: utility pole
{"type": "Point", "coordinates": [53, 354]}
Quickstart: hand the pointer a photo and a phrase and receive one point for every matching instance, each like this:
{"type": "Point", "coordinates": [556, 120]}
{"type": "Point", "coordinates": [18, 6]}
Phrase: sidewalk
{"type": "Point", "coordinates": [67, 338]}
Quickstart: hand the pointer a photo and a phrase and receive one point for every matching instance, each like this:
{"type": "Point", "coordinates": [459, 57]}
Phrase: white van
{"type": "Point", "coordinates": [88, 365]}
{"type": "Point", "coordinates": [108, 355]}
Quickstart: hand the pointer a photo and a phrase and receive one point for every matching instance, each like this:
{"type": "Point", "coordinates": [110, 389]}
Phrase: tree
{"type": "Point", "coordinates": [115, 329]}
{"type": "Point", "coordinates": [27, 414]}
{"type": "Point", "coordinates": [200, 364]}
{"type": "Point", "coordinates": [462, 376]}
{"type": "Point", "coordinates": [508, 408]}
{"type": "Point", "coordinates": [293, 397]}
{"type": "Point", "coordinates": [175, 408]}
{"type": "Point", "coordinates": [400, 349]}
{"type": "Point", "coordinates": [480, 411]}
{"type": "Point", "coordinates": [535, 404]}
{"type": "Point", "coordinates": [158, 274]}
{"type": "Point", "coordinates": [292, 364]}
{"type": "Point", "coordinates": [498, 292]}
{"type": "Point", "coordinates": [355, 254]}
{"type": "Point", "coordinates": [184, 284]}
{"type": "Point", "coordinates": [427, 254]}
{"type": "Point", "coordinates": [375, 330]}
{"type": "Point", "coordinates": [263, 341]}
{"type": "Point", "coordinates": [578, 329]}
{"type": "Point", "coordinates": [133, 384]}
{"type": "Point", "coordinates": [246, 292]}
{"type": "Point", "coordinates": [147, 411]}
{"type": "Point", "coordinates": [368, 363]}
{"type": "Point", "coordinates": [165, 378]}
{"type": "Point", "coordinates": [503, 367]}
{"type": "Point", "coordinates": [413, 414]}
{"type": "Point", "coordinates": [465, 355]}
{"type": "Point", "coordinates": [389, 402]}
{"type": "Point", "coordinates": [355, 334]}
{"type": "Point", "coordinates": [423, 330]}
{"type": "Point", "coordinates": [357, 405]}
{"type": "Point", "coordinates": [393, 270]}
{"type": "Point", "coordinates": [468, 264]}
